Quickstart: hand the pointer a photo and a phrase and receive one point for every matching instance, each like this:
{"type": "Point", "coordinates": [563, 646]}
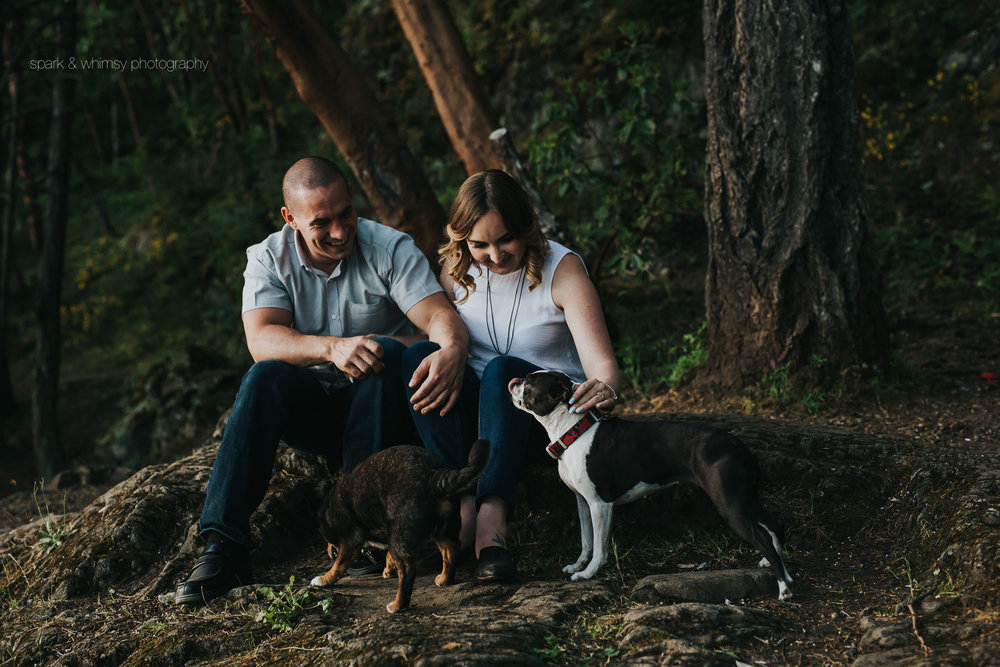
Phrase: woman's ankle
{"type": "Point", "coordinates": [491, 524]}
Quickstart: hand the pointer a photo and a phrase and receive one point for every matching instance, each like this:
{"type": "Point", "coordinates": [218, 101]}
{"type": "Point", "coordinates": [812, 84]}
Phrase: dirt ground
{"type": "Point", "coordinates": [946, 404]}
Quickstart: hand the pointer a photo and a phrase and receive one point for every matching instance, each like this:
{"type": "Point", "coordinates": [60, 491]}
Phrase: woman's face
{"type": "Point", "coordinates": [494, 247]}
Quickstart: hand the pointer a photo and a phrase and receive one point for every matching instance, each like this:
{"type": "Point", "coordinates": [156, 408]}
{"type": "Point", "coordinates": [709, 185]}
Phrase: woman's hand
{"type": "Point", "coordinates": [592, 394]}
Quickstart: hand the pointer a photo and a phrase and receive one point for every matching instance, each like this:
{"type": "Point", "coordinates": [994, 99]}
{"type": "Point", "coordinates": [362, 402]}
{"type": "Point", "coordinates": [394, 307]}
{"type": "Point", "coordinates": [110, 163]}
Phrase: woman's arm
{"type": "Point", "coordinates": [575, 294]}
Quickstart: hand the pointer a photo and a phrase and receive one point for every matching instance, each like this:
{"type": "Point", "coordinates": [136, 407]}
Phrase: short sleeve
{"type": "Point", "coordinates": [261, 286]}
{"type": "Point", "coordinates": [411, 278]}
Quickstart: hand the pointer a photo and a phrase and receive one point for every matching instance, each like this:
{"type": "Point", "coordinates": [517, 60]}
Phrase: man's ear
{"type": "Point", "coordinates": [286, 215]}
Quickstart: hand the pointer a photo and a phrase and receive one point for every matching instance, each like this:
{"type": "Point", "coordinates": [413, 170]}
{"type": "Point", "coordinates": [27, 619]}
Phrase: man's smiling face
{"type": "Point", "coordinates": [326, 220]}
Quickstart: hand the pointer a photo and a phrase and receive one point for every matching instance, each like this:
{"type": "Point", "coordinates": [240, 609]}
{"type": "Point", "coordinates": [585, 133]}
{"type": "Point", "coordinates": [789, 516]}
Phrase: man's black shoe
{"type": "Point", "coordinates": [369, 561]}
{"type": "Point", "coordinates": [221, 567]}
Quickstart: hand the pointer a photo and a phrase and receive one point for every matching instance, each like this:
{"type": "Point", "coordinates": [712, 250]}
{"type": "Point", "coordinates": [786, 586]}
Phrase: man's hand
{"type": "Point", "coordinates": [357, 357]}
{"type": "Point", "coordinates": [439, 380]}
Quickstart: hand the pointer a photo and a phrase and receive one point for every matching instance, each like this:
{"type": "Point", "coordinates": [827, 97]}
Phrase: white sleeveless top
{"type": "Point", "coordinates": [539, 334]}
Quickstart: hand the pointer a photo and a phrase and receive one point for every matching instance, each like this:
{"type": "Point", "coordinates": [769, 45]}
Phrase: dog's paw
{"type": "Point", "coordinates": [784, 591]}
{"type": "Point", "coordinates": [764, 563]}
{"type": "Point", "coordinates": [580, 576]}
{"type": "Point", "coordinates": [442, 580]}
{"type": "Point", "coordinates": [572, 569]}
{"type": "Point", "coordinates": [392, 607]}
{"type": "Point", "coordinates": [316, 581]}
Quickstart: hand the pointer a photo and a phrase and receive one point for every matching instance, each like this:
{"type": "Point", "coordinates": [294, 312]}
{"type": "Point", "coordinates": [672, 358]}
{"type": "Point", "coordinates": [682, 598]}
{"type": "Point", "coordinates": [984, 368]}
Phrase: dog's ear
{"type": "Point", "coordinates": [561, 388]}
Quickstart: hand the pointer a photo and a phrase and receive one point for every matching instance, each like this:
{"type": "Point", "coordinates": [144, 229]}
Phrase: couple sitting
{"type": "Point", "coordinates": [332, 305]}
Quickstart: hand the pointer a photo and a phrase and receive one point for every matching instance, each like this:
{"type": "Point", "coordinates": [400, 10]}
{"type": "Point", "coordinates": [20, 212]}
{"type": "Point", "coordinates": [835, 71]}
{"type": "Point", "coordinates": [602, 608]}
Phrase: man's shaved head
{"type": "Point", "coordinates": [309, 173]}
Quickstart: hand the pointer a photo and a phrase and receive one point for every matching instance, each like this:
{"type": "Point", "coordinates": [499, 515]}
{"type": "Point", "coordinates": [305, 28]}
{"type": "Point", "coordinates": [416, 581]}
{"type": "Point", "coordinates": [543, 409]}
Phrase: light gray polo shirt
{"type": "Point", "coordinates": [368, 293]}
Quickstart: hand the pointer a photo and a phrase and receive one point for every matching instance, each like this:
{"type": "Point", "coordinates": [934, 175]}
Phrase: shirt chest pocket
{"type": "Point", "coordinates": [381, 317]}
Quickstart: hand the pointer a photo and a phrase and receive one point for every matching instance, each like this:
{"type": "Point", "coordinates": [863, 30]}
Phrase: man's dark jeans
{"type": "Point", "coordinates": [278, 401]}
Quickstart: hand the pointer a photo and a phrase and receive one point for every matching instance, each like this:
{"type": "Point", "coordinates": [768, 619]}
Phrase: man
{"type": "Point", "coordinates": [331, 304]}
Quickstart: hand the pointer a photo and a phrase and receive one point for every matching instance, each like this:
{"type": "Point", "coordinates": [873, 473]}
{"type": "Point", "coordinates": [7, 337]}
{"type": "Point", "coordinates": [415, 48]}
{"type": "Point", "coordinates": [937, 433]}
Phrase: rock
{"type": "Point", "coordinates": [716, 586]}
{"type": "Point", "coordinates": [170, 408]}
{"type": "Point", "coordinates": [697, 626]}
{"type": "Point", "coordinates": [141, 535]}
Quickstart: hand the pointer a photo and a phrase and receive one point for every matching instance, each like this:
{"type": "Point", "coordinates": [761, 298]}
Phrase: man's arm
{"type": "Point", "coordinates": [270, 335]}
{"type": "Point", "coordinates": [439, 377]}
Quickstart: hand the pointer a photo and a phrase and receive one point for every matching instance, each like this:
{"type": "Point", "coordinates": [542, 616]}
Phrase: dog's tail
{"type": "Point", "coordinates": [449, 482]}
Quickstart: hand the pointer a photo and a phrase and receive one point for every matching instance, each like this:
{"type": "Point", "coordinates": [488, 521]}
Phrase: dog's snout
{"type": "Point", "coordinates": [513, 383]}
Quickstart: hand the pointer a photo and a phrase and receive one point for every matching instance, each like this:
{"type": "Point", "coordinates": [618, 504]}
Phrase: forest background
{"type": "Point", "coordinates": [176, 171]}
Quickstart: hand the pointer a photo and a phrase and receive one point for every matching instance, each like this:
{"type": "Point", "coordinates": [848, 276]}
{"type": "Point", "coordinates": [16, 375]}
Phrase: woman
{"type": "Point", "coordinates": [528, 304]}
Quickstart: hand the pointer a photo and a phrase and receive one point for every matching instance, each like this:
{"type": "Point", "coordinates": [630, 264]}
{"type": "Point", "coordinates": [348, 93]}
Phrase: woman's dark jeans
{"type": "Point", "coordinates": [514, 435]}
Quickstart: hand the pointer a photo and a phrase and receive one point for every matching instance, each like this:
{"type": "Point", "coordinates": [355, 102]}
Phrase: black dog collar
{"type": "Point", "coordinates": [556, 448]}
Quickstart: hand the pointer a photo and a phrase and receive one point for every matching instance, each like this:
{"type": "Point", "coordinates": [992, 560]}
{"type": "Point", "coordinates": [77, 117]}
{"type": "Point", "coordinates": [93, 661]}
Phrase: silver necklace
{"type": "Point", "coordinates": [492, 330]}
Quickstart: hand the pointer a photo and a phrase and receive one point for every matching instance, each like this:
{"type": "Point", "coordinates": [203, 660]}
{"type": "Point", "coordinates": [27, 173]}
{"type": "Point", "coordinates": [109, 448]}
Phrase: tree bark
{"type": "Point", "coordinates": [45, 424]}
{"type": "Point", "coordinates": [8, 403]}
{"type": "Point", "coordinates": [334, 90]}
{"type": "Point", "coordinates": [447, 68]}
{"type": "Point", "coordinates": [792, 275]}
{"type": "Point", "coordinates": [33, 215]}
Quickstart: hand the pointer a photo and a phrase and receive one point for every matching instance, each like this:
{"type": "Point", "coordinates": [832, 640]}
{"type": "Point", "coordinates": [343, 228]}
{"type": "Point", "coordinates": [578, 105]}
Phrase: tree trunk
{"type": "Point", "coordinates": [445, 63]}
{"type": "Point", "coordinates": [32, 211]}
{"type": "Point", "coordinates": [48, 446]}
{"type": "Point", "coordinates": [333, 88]}
{"type": "Point", "coordinates": [8, 403]}
{"type": "Point", "coordinates": [792, 275]}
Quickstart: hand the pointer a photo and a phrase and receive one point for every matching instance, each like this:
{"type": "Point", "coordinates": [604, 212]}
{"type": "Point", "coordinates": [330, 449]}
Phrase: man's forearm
{"type": "Point", "coordinates": [448, 331]}
{"type": "Point", "coordinates": [286, 344]}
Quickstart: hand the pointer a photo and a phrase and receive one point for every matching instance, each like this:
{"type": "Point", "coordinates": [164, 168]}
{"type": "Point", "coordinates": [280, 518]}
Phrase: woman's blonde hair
{"type": "Point", "coordinates": [492, 190]}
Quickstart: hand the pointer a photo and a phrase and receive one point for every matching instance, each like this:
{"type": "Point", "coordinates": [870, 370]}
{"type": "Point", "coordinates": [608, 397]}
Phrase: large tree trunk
{"type": "Point", "coordinates": [48, 446]}
{"type": "Point", "coordinates": [333, 88]}
{"type": "Point", "coordinates": [445, 63]}
{"type": "Point", "coordinates": [792, 275]}
{"type": "Point", "coordinates": [8, 404]}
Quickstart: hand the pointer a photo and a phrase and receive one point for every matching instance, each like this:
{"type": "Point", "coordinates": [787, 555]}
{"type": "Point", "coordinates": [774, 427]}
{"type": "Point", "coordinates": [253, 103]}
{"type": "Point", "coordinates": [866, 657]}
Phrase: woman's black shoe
{"type": "Point", "coordinates": [222, 566]}
{"type": "Point", "coordinates": [495, 564]}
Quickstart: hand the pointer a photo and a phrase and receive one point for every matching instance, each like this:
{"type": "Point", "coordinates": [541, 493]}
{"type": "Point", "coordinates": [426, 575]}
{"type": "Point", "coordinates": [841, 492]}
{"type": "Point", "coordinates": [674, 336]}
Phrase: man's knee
{"type": "Point", "coordinates": [267, 375]}
{"type": "Point", "coordinates": [392, 351]}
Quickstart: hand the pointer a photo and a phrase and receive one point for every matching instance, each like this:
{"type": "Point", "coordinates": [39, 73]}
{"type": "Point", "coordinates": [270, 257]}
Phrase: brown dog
{"type": "Point", "coordinates": [396, 499]}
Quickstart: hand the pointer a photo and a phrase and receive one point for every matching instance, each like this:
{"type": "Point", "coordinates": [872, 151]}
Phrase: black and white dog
{"type": "Point", "coordinates": [615, 461]}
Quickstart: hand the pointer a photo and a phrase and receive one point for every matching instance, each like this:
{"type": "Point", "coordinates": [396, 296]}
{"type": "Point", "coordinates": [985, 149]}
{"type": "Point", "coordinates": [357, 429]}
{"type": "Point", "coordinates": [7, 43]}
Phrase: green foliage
{"type": "Point", "coordinates": [962, 259]}
{"type": "Point", "coordinates": [583, 640]}
{"type": "Point", "coordinates": [619, 153]}
{"type": "Point", "coordinates": [651, 363]}
{"type": "Point", "coordinates": [283, 607]}
{"type": "Point", "coordinates": [775, 384]}
{"type": "Point", "coordinates": [553, 648]}
{"type": "Point", "coordinates": [928, 123]}
{"type": "Point", "coordinates": [53, 533]}
{"type": "Point", "coordinates": [690, 354]}
{"type": "Point", "coordinates": [778, 387]}
{"type": "Point", "coordinates": [177, 172]}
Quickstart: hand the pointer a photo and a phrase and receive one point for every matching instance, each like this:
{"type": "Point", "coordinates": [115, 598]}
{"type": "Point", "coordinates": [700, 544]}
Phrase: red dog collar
{"type": "Point", "coordinates": [556, 448]}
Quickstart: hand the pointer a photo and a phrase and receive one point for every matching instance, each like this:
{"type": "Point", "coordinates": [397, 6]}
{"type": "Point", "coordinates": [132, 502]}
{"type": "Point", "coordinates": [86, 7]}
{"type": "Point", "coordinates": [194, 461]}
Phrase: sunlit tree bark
{"type": "Point", "coordinates": [335, 91]}
{"type": "Point", "coordinates": [445, 63]}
